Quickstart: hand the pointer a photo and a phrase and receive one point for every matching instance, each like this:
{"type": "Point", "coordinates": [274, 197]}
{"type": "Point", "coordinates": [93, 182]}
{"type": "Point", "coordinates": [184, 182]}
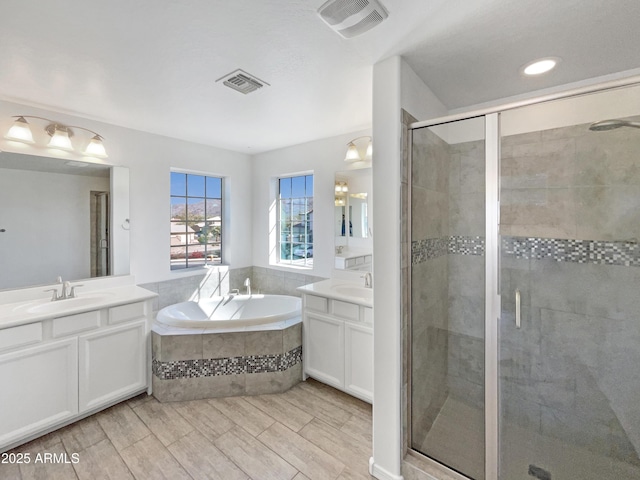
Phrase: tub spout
{"type": "Point", "coordinates": [247, 283]}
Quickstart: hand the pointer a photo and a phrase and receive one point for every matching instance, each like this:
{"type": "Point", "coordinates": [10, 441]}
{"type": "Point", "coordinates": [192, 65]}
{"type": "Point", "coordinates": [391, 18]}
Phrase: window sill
{"type": "Point", "coordinates": [288, 266]}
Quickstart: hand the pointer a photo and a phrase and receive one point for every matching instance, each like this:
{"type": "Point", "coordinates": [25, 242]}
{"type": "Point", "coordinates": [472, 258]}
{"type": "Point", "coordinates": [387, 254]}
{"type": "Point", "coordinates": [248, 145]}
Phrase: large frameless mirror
{"type": "Point", "coordinates": [63, 218]}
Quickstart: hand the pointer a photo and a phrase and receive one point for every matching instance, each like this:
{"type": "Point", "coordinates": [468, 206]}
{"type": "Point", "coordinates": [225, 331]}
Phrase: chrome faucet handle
{"type": "Point", "coordinates": [72, 293]}
{"type": "Point", "coordinates": [66, 286]}
{"type": "Point", "coordinates": [54, 296]}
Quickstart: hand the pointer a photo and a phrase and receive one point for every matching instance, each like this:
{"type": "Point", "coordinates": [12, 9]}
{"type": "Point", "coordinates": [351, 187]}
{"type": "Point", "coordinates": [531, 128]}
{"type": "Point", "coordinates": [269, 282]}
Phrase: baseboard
{"type": "Point", "coordinates": [380, 473]}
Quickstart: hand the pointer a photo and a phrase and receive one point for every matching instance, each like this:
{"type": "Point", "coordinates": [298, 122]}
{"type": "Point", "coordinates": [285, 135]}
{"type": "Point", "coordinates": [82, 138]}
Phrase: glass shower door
{"type": "Point", "coordinates": [447, 295]}
{"type": "Point", "coordinates": [569, 367]}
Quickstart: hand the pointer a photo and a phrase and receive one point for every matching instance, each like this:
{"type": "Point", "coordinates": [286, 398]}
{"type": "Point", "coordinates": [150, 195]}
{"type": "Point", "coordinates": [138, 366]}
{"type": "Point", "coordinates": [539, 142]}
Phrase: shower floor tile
{"type": "Point", "coordinates": [459, 429]}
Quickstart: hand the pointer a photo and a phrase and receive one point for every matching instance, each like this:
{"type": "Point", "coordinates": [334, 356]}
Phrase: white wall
{"type": "Point", "coordinates": [47, 219]}
{"type": "Point", "coordinates": [322, 157]}
{"type": "Point", "coordinates": [395, 86]}
{"type": "Point", "coordinates": [416, 98]}
{"type": "Point", "coordinates": [149, 158]}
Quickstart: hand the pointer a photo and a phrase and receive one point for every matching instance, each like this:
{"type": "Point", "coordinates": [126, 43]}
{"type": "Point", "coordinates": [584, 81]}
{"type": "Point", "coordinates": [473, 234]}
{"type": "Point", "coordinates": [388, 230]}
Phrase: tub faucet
{"type": "Point", "coordinates": [368, 280]}
{"type": "Point", "coordinates": [247, 283]}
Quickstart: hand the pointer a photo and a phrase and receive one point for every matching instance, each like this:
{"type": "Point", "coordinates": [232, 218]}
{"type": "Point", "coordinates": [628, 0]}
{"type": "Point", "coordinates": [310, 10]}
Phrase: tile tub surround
{"type": "Point", "coordinates": [209, 365]}
{"type": "Point", "coordinates": [220, 280]}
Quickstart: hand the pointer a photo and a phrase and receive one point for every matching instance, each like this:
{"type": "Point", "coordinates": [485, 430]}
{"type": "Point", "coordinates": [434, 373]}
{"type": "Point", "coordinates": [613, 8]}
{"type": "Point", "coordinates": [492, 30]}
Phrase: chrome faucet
{"type": "Point", "coordinates": [247, 283]}
{"type": "Point", "coordinates": [368, 280]}
{"type": "Point", "coordinates": [66, 290]}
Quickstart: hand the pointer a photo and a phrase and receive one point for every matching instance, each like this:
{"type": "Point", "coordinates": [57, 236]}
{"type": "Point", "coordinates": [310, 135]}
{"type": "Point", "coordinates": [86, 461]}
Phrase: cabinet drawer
{"type": "Point", "coordinates": [75, 323]}
{"type": "Point", "coordinates": [345, 310]}
{"type": "Point", "coordinates": [124, 313]}
{"type": "Point", "coordinates": [351, 262]}
{"type": "Point", "coordinates": [359, 260]}
{"type": "Point", "coordinates": [19, 336]}
{"type": "Point", "coordinates": [319, 304]}
{"type": "Point", "coordinates": [368, 258]}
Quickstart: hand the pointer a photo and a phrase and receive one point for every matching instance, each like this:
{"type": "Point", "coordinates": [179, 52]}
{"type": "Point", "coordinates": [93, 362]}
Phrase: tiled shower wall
{"type": "Point", "coordinates": [221, 280]}
{"type": "Point", "coordinates": [466, 288]}
{"type": "Point", "coordinates": [570, 224]}
{"type": "Point", "coordinates": [429, 280]}
{"type": "Point", "coordinates": [571, 216]}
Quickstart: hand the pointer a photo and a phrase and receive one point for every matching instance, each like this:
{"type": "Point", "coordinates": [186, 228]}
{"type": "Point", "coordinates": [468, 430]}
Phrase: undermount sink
{"type": "Point", "coordinates": [353, 291]}
{"type": "Point", "coordinates": [47, 306]}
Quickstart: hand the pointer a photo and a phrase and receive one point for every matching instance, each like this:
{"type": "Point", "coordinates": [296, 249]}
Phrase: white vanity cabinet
{"type": "Point", "coordinates": [112, 364]}
{"type": "Point", "coordinates": [39, 388]}
{"type": "Point", "coordinates": [338, 344]}
{"type": "Point", "coordinates": [57, 370]}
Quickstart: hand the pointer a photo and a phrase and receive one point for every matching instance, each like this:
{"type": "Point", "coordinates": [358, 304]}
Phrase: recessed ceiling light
{"type": "Point", "coordinates": [540, 66]}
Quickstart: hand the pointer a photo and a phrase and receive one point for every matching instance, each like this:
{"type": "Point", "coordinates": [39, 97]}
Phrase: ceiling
{"type": "Point", "coordinates": [153, 66]}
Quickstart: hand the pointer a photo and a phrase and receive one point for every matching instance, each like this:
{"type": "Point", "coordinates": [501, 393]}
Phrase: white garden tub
{"type": "Point", "coordinates": [231, 311]}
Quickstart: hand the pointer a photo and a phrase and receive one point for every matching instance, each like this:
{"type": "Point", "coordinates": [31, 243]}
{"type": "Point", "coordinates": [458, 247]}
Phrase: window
{"type": "Point", "coordinates": [196, 220]}
{"type": "Point", "coordinates": [295, 221]}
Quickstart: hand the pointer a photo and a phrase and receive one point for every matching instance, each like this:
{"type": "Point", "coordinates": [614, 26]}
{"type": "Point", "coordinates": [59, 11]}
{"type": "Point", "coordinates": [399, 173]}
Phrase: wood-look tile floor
{"type": "Point", "coordinates": [310, 432]}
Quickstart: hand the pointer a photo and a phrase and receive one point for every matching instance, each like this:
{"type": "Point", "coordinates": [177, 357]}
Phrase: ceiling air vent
{"type": "Point", "coordinates": [351, 18]}
{"type": "Point", "coordinates": [242, 81]}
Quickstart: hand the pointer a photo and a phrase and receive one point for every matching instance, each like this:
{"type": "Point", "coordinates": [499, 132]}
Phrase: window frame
{"type": "Point", "coordinates": [206, 259]}
{"type": "Point", "coordinates": [302, 262]}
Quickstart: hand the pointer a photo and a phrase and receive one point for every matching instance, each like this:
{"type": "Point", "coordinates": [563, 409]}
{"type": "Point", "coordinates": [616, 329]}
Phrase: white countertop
{"type": "Point", "coordinates": [353, 254]}
{"type": "Point", "coordinates": [334, 288]}
{"type": "Point", "coordinates": [17, 313]}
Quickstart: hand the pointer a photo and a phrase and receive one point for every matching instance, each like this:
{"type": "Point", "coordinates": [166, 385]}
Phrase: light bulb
{"type": "Point", "coordinates": [369, 155]}
{"type": "Point", "coordinates": [96, 147]}
{"type": "Point", "coordinates": [60, 139]}
{"type": "Point", "coordinates": [20, 131]}
{"type": "Point", "coordinates": [352, 153]}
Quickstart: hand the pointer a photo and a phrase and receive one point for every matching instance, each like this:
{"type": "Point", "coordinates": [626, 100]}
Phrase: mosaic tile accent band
{"type": "Point", "coordinates": [461, 245]}
{"type": "Point", "coordinates": [214, 367]}
{"type": "Point", "coordinates": [423, 250]}
{"type": "Point", "coordinates": [597, 252]}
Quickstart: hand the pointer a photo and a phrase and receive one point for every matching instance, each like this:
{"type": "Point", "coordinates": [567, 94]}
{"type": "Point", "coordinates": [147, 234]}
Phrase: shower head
{"type": "Point", "coordinates": [612, 124]}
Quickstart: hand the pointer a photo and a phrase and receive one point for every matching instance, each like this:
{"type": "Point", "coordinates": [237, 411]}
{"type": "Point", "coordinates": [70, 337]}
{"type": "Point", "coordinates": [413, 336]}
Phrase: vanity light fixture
{"type": "Point", "coordinates": [20, 131]}
{"type": "Point", "coordinates": [60, 136]}
{"type": "Point", "coordinates": [353, 155]}
{"type": "Point", "coordinates": [341, 188]}
{"type": "Point", "coordinates": [96, 147]}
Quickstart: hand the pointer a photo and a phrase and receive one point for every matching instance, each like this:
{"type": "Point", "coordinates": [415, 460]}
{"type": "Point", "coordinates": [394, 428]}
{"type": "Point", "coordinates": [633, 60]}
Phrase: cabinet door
{"type": "Point", "coordinates": [324, 349]}
{"type": "Point", "coordinates": [112, 364]}
{"type": "Point", "coordinates": [39, 388]}
{"type": "Point", "coordinates": [359, 361]}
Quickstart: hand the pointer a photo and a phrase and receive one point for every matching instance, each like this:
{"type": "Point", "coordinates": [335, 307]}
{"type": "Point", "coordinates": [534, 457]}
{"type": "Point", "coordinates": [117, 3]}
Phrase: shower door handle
{"type": "Point", "coordinates": [517, 308]}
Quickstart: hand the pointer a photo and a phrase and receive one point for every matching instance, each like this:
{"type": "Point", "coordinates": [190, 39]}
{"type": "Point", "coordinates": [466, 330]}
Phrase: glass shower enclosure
{"type": "Point", "coordinates": [524, 356]}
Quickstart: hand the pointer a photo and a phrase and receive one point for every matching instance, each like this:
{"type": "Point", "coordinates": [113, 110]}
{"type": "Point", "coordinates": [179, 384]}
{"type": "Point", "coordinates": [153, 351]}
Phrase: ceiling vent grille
{"type": "Point", "coordinates": [242, 81]}
{"type": "Point", "coordinates": [351, 18]}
